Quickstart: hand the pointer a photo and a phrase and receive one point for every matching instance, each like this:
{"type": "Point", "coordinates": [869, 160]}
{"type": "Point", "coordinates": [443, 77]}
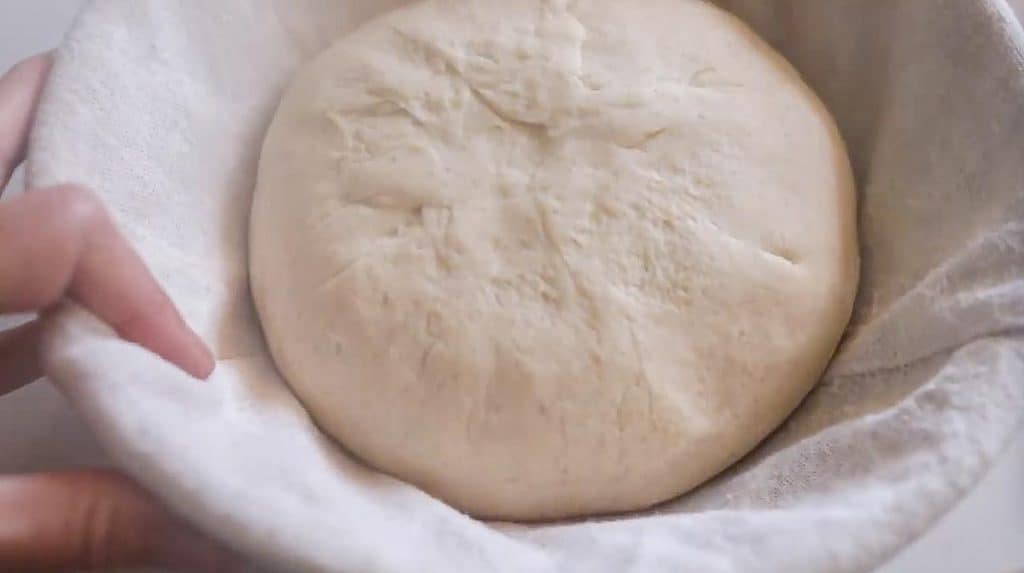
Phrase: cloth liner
{"type": "Point", "coordinates": [161, 107]}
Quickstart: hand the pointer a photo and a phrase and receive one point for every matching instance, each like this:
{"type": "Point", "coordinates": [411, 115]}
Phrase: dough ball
{"type": "Point", "coordinates": [552, 258]}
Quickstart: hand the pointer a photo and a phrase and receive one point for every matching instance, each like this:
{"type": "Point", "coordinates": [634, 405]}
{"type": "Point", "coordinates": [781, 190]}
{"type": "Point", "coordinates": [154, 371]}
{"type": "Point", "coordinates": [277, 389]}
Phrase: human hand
{"type": "Point", "coordinates": [56, 244]}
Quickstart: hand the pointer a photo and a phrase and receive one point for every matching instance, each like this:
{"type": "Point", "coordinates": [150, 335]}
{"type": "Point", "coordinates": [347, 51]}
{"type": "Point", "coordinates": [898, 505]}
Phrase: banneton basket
{"type": "Point", "coordinates": [161, 107]}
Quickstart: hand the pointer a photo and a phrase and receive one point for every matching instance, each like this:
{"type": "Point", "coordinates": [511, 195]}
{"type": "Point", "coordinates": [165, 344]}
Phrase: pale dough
{"type": "Point", "coordinates": [552, 258]}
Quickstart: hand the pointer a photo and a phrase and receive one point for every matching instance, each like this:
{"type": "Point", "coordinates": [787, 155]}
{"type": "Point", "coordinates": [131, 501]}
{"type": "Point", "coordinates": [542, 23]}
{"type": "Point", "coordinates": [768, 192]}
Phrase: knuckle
{"type": "Point", "coordinates": [111, 524]}
{"type": "Point", "coordinates": [74, 213]}
{"type": "Point", "coordinates": [63, 221]}
{"type": "Point", "coordinates": [96, 533]}
{"type": "Point", "coordinates": [77, 205]}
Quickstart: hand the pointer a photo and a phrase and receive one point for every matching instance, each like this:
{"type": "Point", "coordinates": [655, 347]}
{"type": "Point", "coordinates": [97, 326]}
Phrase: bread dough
{"type": "Point", "coordinates": [552, 258]}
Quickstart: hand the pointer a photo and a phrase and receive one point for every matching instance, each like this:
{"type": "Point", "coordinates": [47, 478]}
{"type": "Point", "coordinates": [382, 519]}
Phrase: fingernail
{"type": "Point", "coordinates": [198, 359]}
{"type": "Point", "coordinates": [203, 359]}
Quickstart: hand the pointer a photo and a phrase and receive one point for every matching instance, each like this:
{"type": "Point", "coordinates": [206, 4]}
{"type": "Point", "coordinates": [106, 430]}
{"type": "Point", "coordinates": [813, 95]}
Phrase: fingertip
{"type": "Point", "coordinates": [196, 358]}
{"type": "Point", "coordinates": [20, 91]}
{"type": "Point", "coordinates": [39, 63]}
{"type": "Point", "coordinates": [187, 351]}
{"type": "Point", "coordinates": [166, 334]}
{"type": "Point", "coordinates": [204, 361]}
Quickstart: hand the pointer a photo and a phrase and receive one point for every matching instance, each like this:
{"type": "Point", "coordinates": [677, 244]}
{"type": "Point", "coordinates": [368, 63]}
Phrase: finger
{"type": "Point", "coordinates": [95, 521]}
{"type": "Point", "coordinates": [20, 89]}
{"type": "Point", "coordinates": [60, 242]}
{"type": "Point", "coordinates": [20, 362]}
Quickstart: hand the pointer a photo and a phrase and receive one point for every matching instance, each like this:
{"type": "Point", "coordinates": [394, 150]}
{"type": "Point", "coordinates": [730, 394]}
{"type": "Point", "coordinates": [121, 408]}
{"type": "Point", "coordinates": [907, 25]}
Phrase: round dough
{"type": "Point", "coordinates": [552, 258]}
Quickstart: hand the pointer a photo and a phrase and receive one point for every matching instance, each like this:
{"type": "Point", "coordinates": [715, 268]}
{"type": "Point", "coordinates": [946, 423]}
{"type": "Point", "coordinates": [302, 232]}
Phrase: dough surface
{"type": "Point", "coordinates": [552, 258]}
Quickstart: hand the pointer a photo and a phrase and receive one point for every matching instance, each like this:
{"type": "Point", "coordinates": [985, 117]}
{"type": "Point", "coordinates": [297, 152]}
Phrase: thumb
{"type": "Point", "coordinates": [96, 520]}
